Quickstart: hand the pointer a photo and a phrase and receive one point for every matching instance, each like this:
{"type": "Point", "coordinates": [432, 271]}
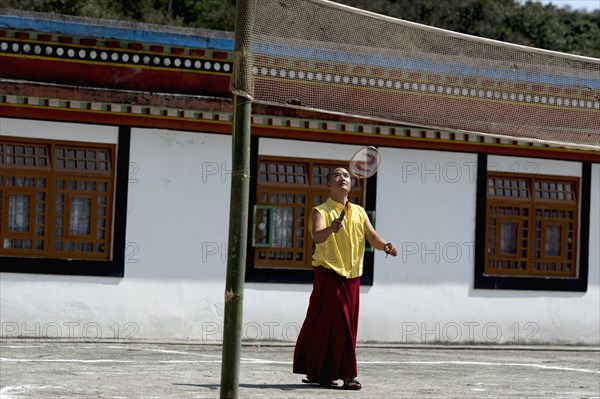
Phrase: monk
{"type": "Point", "coordinates": [326, 347]}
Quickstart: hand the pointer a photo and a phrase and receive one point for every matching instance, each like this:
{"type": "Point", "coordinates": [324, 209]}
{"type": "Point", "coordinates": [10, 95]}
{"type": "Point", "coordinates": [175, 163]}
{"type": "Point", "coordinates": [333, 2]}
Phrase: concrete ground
{"type": "Point", "coordinates": [67, 369]}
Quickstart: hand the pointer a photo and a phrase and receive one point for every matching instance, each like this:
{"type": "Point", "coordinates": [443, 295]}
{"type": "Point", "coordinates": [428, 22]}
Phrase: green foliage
{"type": "Point", "coordinates": [210, 14]}
{"type": "Point", "coordinates": [528, 23]}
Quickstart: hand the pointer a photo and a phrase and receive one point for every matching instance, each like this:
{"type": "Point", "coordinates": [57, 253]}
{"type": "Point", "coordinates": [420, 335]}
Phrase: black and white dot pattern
{"type": "Point", "coordinates": [420, 87]}
{"type": "Point", "coordinates": [116, 56]}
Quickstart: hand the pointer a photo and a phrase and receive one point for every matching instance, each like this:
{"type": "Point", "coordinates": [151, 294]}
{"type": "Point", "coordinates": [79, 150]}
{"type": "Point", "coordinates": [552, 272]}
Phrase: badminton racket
{"type": "Point", "coordinates": [364, 164]}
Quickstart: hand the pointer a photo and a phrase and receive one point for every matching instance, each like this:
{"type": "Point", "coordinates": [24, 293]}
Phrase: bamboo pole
{"type": "Point", "coordinates": [239, 201]}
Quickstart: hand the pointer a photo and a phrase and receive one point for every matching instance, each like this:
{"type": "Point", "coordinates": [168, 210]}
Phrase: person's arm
{"type": "Point", "coordinates": [320, 232]}
{"type": "Point", "coordinates": [376, 241]}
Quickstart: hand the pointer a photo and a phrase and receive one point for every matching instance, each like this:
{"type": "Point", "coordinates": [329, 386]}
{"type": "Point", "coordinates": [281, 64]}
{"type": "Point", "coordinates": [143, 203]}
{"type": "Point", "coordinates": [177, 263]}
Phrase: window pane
{"type": "Point", "coordinates": [18, 212]}
{"type": "Point", "coordinates": [508, 237]}
{"type": "Point", "coordinates": [283, 219]}
{"type": "Point", "coordinates": [553, 233]}
{"type": "Point", "coordinates": [317, 176]}
{"type": "Point", "coordinates": [80, 216]}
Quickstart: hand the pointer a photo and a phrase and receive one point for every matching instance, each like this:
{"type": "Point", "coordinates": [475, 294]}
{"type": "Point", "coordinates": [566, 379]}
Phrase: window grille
{"type": "Point", "coordinates": [56, 199]}
{"type": "Point", "coordinates": [531, 225]}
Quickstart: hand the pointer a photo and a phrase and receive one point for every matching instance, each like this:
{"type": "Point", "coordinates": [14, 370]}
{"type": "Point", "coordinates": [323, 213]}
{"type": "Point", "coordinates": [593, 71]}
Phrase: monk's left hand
{"type": "Point", "coordinates": [390, 249]}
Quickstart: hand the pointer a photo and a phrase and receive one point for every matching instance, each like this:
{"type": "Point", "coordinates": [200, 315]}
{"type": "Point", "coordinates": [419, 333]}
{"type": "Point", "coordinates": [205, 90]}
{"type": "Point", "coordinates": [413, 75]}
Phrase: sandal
{"type": "Point", "coordinates": [352, 385]}
{"type": "Point", "coordinates": [324, 383]}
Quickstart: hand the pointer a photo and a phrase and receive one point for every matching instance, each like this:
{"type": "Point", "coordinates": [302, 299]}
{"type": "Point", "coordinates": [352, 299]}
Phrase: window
{"type": "Point", "coordinates": [287, 190]}
{"type": "Point", "coordinates": [56, 199]}
{"type": "Point", "coordinates": [532, 231]}
{"type": "Point", "coordinates": [531, 225]}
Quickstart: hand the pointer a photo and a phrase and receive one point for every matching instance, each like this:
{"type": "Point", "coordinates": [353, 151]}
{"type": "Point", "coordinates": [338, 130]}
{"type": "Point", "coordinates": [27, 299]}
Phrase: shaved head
{"type": "Point", "coordinates": [338, 169]}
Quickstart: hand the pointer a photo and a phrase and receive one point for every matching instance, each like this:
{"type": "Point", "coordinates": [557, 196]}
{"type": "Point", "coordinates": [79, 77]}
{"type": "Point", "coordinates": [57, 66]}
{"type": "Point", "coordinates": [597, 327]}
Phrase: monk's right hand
{"type": "Point", "coordinates": [336, 225]}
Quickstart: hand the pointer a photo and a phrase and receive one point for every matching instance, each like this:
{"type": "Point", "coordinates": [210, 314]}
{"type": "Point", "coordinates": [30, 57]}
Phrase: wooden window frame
{"type": "Point", "coordinates": [109, 263]}
{"type": "Point", "coordinates": [529, 278]}
{"type": "Point", "coordinates": [65, 179]}
{"type": "Point", "coordinates": [286, 192]}
{"type": "Point", "coordinates": [257, 270]}
{"type": "Point", "coordinates": [516, 199]}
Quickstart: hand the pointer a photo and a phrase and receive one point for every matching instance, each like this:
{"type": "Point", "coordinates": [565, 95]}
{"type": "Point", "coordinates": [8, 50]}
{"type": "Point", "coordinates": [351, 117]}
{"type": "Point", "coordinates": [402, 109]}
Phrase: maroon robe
{"type": "Point", "coordinates": [326, 346]}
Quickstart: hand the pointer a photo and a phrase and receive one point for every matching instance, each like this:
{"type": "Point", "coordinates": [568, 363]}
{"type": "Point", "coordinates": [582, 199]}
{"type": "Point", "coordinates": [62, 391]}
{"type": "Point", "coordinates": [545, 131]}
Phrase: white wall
{"type": "Point", "coordinates": [176, 246]}
{"type": "Point", "coordinates": [430, 286]}
{"type": "Point", "coordinates": [177, 232]}
{"type": "Point", "coordinates": [426, 206]}
{"type": "Point", "coordinates": [58, 131]}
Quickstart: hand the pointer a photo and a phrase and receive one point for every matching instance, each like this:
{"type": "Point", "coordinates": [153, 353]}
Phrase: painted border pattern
{"type": "Point", "coordinates": [87, 50]}
{"type": "Point", "coordinates": [279, 122]}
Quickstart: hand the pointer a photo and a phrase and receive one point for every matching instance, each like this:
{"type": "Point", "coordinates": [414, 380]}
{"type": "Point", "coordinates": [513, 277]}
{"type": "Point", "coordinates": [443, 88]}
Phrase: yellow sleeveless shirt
{"type": "Point", "coordinates": [343, 251]}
